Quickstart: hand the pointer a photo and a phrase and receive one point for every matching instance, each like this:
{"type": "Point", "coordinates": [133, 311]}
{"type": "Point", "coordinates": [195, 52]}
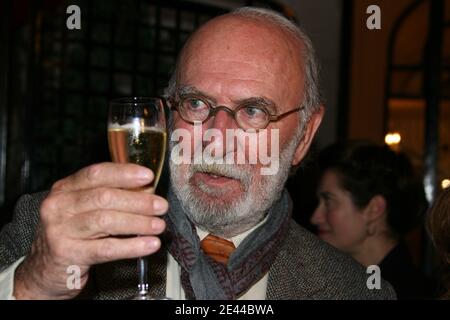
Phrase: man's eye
{"type": "Point", "coordinates": [195, 104]}
{"type": "Point", "coordinates": [254, 112]}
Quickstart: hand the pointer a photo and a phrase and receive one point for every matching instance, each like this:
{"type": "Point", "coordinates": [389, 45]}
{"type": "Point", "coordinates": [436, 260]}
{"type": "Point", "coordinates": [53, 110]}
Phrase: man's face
{"type": "Point", "coordinates": [229, 61]}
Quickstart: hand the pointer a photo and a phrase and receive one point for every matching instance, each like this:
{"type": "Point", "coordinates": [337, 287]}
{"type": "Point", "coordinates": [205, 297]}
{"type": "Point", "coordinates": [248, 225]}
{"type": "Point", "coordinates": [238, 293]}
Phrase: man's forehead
{"type": "Point", "coordinates": [228, 35]}
{"type": "Point", "coordinates": [243, 58]}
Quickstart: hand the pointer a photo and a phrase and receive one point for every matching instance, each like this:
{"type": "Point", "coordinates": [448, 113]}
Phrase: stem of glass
{"type": "Point", "coordinates": [142, 266]}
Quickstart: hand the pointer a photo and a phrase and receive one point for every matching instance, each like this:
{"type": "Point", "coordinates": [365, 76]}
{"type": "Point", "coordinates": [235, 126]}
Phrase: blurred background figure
{"type": "Point", "coordinates": [368, 200]}
{"type": "Point", "coordinates": [439, 228]}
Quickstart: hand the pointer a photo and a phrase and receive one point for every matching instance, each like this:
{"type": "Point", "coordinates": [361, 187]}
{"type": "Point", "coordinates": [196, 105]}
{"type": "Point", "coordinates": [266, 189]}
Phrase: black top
{"type": "Point", "coordinates": [409, 283]}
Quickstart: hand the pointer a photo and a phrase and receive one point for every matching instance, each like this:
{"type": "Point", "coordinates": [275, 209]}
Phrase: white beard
{"type": "Point", "coordinates": [230, 218]}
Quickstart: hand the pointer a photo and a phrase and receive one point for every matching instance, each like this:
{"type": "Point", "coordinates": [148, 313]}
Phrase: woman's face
{"type": "Point", "coordinates": [339, 221]}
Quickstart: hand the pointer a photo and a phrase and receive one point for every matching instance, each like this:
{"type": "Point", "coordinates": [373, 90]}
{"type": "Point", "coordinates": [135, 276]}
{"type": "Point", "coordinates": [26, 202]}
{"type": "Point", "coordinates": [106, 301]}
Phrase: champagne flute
{"type": "Point", "coordinates": [137, 134]}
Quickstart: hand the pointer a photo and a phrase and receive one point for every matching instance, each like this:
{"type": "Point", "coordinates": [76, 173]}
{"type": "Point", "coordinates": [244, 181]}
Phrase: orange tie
{"type": "Point", "coordinates": [217, 248]}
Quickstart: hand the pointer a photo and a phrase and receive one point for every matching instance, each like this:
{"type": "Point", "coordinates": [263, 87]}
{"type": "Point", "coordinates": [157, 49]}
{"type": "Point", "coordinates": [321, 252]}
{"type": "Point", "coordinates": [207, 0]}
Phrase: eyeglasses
{"type": "Point", "coordinates": [248, 115]}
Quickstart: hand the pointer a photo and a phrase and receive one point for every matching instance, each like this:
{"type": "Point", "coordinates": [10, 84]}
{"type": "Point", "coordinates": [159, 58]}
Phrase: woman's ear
{"type": "Point", "coordinates": [374, 214]}
{"type": "Point", "coordinates": [376, 209]}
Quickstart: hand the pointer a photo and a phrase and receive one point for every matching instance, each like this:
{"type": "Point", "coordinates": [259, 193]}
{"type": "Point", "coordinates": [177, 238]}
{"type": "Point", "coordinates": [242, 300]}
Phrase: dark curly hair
{"type": "Point", "coordinates": [366, 170]}
{"type": "Point", "coordinates": [438, 225]}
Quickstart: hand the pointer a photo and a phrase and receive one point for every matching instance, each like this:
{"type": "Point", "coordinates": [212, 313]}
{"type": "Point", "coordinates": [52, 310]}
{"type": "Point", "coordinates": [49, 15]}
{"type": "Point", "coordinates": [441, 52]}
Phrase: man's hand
{"type": "Point", "coordinates": [81, 222]}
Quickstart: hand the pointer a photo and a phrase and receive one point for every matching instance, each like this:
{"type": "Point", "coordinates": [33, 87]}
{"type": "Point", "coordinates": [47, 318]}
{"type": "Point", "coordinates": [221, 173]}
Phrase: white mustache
{"type": "Point", "coordinates": [226, 170]}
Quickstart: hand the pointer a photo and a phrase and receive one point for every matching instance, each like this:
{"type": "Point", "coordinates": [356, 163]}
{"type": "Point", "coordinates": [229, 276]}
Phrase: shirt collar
{"type": "Point", "coordinates": [236, 239]}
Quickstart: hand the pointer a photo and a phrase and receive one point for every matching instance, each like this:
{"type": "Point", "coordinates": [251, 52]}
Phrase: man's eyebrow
{"type": "Point", "coordinates": [260, 101]}
{"type": "Point", "coordinates": [187, 90]}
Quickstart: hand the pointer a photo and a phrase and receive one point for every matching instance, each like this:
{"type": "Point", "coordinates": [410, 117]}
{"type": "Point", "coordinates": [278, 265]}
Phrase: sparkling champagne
{"type": "Point", "coordinates": [143, 146]}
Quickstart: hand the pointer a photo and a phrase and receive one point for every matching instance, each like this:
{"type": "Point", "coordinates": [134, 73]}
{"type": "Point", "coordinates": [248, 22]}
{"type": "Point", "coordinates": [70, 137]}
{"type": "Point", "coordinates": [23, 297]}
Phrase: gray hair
{"type": "Point", "coordinates": [312, 97]}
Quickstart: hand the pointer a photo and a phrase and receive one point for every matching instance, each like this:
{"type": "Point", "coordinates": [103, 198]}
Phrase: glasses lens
{"type": "Point", "coordinates": [194, 109]}
{"type": "Point", "coordinates": [252, 117]}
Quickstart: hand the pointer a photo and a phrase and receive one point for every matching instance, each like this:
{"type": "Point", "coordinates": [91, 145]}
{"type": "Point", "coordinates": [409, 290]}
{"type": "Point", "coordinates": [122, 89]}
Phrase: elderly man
{"type": "Point", "coordinates": [253, 70]}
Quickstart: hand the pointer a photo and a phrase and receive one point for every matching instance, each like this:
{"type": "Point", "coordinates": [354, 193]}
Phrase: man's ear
{"type": "Point", "coordinates": [310, 131]}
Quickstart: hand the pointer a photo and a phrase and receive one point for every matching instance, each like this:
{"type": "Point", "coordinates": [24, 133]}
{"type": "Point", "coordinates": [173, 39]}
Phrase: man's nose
{"type": "Point", "coordinates": [221, 121]}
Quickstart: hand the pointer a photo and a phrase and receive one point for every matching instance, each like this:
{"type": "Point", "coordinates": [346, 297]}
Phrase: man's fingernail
{"type": "Point", "coordinates": [145, 174]}
{"type": "Point", "coordinates": [159, 205]}
{"type": "Point", "coordinates": [157, 224]}
{"type": "Point", "coordinates": [153, 243]}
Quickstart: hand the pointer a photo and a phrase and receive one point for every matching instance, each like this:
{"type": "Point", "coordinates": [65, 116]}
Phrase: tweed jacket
{"type": "Point", "coordinates": [305, 266]}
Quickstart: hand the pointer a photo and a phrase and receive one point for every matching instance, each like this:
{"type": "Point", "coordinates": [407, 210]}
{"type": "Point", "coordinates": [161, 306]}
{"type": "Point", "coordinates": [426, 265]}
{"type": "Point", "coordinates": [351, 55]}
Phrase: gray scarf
{"type": "Point", "coordinates": [205, 279]}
